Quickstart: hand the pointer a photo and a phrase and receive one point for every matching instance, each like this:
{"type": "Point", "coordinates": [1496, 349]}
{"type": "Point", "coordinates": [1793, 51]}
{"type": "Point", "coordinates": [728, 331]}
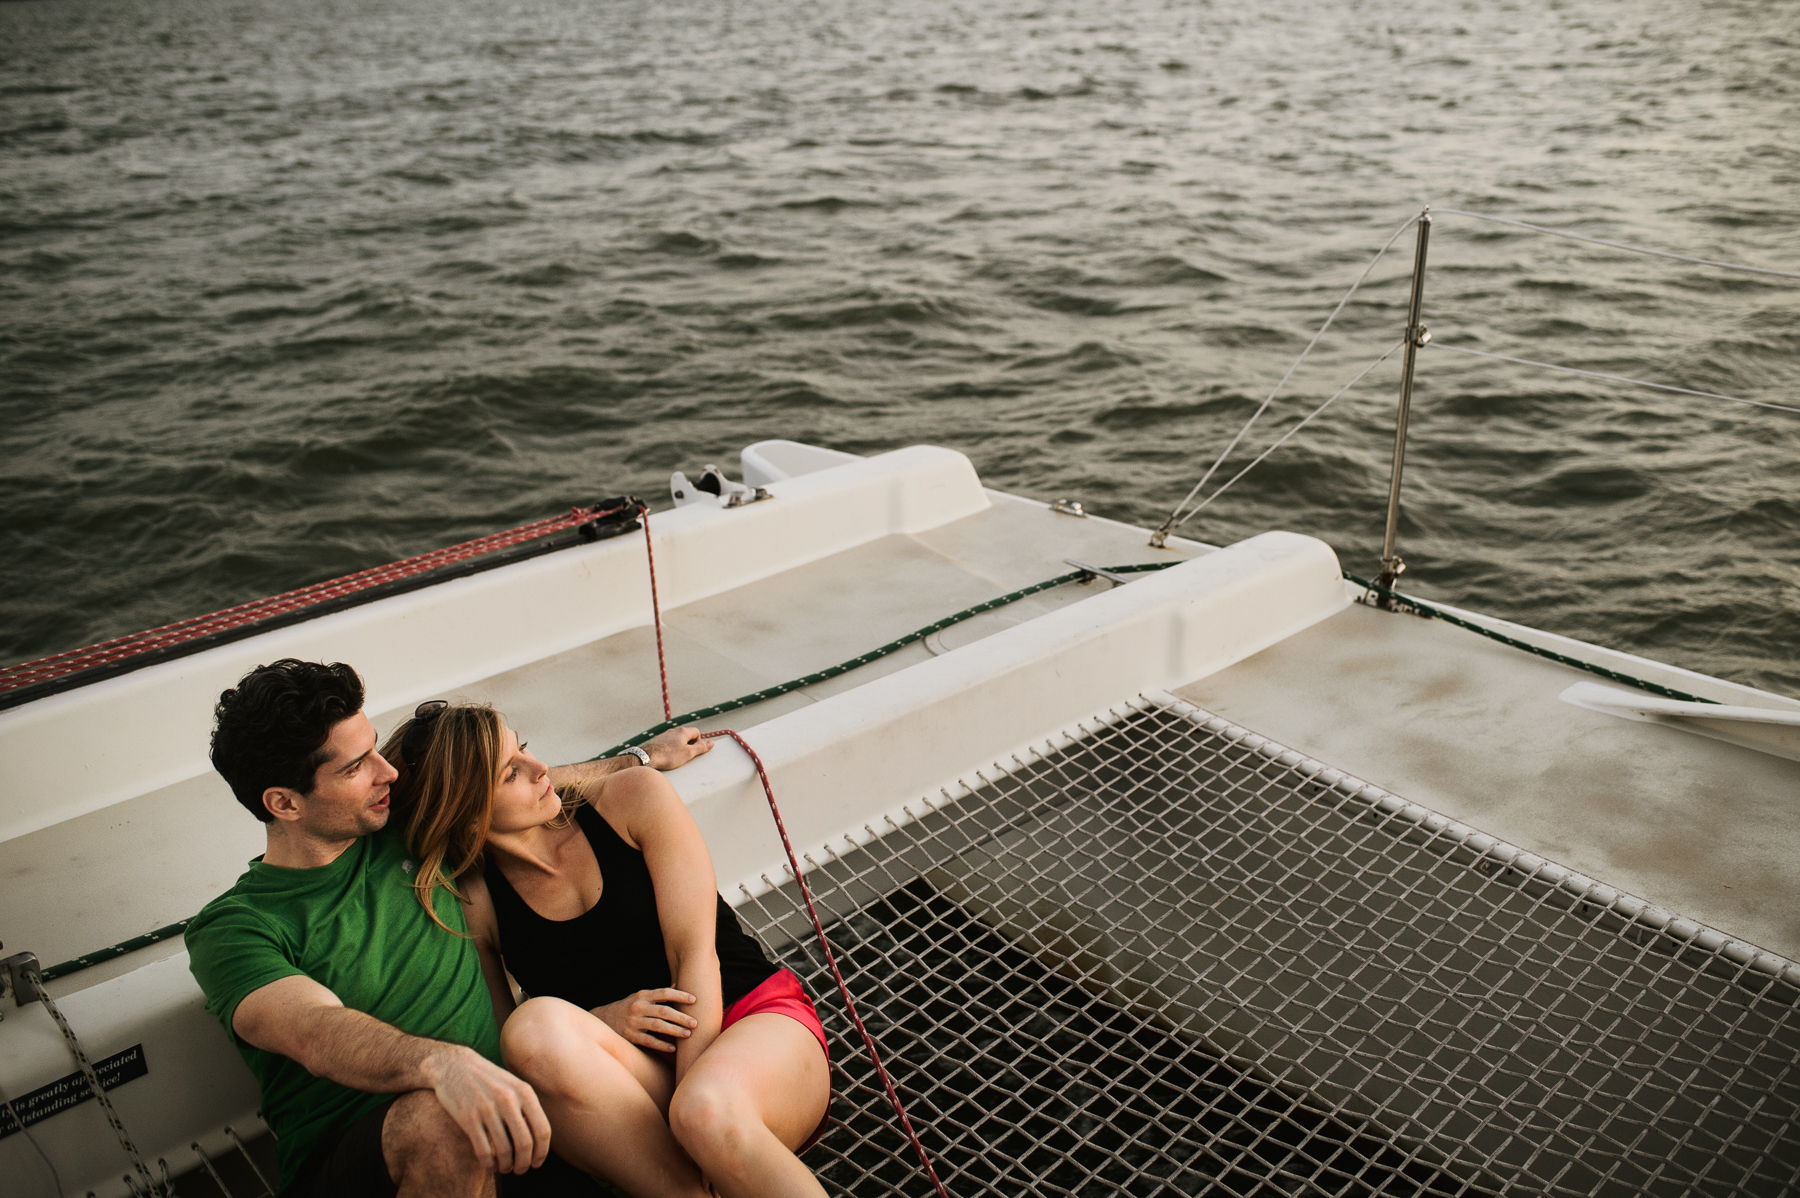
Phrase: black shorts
{"type": "Point", "coordinates": [347, 1163]}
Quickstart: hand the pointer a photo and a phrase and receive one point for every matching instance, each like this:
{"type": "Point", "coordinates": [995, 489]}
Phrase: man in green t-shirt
{"type": "Point", "coordinates": [370, 1028]}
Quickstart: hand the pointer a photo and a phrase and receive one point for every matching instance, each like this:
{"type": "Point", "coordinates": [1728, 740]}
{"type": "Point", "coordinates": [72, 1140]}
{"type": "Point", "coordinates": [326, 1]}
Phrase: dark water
{"type": "Point", "coordinates": [290, 290]}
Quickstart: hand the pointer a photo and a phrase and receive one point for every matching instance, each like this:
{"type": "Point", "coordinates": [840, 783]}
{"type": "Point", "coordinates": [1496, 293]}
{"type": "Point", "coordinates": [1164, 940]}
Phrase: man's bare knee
{"type": "Point", "coordinates": [427, 1153]}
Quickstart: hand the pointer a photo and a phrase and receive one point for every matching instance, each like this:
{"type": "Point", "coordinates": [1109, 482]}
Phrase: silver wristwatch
{"type": "Point", "coordinates": [638, 752]}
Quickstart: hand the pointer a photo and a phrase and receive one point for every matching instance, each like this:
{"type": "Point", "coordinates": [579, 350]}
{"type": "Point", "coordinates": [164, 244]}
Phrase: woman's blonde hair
{"type": "Point", "coordinates": [446, 795]}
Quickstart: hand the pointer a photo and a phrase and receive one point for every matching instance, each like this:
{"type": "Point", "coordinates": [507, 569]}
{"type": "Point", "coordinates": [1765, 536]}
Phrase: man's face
{"type": "Point", "coordinates": [350, 790]}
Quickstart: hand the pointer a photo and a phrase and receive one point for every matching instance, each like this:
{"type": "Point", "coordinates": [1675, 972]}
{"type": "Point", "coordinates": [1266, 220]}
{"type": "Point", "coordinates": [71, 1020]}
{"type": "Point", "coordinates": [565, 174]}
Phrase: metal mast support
{"type": "Point", "coordinates": [1416, 335]}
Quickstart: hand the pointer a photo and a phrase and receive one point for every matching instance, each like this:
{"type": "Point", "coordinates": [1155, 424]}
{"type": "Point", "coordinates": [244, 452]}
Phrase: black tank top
{"type": "Point", "coordinates": [616, 947]}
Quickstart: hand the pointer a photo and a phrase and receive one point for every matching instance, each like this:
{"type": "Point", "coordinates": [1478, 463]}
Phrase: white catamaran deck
{"type": "Point", "coordinates": [1026, 797]}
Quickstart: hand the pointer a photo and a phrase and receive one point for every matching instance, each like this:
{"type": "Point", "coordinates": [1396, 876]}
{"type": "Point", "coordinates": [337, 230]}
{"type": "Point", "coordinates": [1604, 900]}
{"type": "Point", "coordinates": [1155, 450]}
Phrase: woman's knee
{"type": "Point", "coordinates": [709, 1117]}
{"type": "Point", "coordinates": [541, 1032]}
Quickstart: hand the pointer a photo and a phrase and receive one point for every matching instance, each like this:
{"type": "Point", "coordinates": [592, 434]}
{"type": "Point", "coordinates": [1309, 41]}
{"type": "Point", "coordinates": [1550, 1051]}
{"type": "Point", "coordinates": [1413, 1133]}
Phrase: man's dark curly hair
{"type": "Point", "coordinates": [270, 730]}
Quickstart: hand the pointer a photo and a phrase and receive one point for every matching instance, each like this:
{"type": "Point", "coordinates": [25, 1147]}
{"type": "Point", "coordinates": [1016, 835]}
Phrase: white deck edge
{"type": "Point", "coordinates": [185, 1053]}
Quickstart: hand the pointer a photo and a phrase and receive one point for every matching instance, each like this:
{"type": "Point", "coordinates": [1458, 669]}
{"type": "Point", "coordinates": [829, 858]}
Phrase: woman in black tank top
{"type": "Point", "coordinates": [558, 958]}
{"type": "Point", "coordinates": [669, 1054]}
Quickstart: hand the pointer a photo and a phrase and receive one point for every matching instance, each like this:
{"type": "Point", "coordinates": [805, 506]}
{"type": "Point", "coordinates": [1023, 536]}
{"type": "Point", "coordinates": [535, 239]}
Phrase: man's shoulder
{"type": "Point", "coordinates": [238, 907]}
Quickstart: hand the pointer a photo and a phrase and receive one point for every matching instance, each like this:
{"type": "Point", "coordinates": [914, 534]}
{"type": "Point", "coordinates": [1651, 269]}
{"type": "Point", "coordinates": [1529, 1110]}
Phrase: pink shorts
{"type": "Point", "coordinates": [779, 994]}
{"type": "Point", "coordinates": [782, 994]}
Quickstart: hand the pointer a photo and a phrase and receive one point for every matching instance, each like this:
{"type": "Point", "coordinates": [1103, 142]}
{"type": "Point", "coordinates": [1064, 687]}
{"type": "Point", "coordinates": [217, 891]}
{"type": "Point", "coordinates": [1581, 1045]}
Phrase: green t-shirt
{"type": "Point", "coordinates": [355, 927]}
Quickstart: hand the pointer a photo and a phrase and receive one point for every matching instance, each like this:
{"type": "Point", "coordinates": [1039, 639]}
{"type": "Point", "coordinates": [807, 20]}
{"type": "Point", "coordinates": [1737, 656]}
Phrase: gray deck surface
{"type": "Point", "coordinates": [1474, 730]}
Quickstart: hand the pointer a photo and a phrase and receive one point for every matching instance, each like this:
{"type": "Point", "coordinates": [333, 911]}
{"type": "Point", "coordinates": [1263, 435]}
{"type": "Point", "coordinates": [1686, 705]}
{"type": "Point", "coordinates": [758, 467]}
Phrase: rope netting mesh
{"type": "Point", "coordinates": [1168, 958]}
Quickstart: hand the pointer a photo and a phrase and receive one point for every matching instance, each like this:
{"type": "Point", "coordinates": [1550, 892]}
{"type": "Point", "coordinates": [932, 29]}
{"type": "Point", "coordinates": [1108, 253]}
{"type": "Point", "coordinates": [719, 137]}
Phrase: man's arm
{"type": "Point", "coordinates": [302, 1020]}
{"type": "Point", "coordinates": [671, 750]}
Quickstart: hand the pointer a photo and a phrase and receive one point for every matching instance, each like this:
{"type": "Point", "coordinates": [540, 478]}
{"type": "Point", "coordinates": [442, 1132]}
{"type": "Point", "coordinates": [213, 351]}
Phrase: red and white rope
{"type": "Point", "coordinates": [662, 667]}
{"type": "Point", "coordinates": [837, 974]}
{"type": "Point", "coordinates": [887, 1082]}
{"type": "Point", "coordinates": [45, 669]}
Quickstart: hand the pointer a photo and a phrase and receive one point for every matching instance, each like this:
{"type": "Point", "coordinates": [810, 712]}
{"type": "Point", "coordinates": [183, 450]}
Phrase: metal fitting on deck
{"type": "Point", "coordinates": [20, 976]}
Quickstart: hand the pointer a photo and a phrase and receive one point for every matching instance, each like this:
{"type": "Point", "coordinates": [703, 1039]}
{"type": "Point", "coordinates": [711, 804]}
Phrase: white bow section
{"type": "Point", "coordinates": [858, 758]}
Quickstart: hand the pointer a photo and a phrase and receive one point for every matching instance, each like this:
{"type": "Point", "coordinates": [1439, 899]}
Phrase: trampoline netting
{"type": "Point", "coordinates": [1171, 958]}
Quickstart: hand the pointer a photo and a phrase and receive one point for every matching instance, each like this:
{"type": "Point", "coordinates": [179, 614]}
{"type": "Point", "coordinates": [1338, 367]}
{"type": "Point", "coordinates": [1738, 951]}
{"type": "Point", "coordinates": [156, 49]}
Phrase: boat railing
{"type": "Point", "coordinates": [1414, 337]}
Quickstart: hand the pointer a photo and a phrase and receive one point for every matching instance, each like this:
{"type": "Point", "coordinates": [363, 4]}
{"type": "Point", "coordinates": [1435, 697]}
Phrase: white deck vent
{"type": "Point", "coordinates": [1173, 958]}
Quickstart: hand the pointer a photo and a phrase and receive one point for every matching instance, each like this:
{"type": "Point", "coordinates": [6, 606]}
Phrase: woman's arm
{"type": "Point", "coordinates": [652, 818]}
{"type": "Point", "coordinates": [484, 928]}
{"type": "Point", "coordinates": [669, 751]}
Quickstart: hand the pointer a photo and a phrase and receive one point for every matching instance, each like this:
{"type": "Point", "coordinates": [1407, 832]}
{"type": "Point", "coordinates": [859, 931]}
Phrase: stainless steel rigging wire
{"type": "Point", "coordinates": [1616, 378]}
{"type": "Point", "coordinates": [1386, 354]}
{"type": "Point", "coordinates": [1175, 517]}
{"type": "Point", "coordinates": [1620, 245]}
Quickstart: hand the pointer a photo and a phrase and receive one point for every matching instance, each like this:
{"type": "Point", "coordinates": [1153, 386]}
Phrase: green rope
{"type": "Point", "coordinates": [844, 667]}
{"type": "Point", "coordinates": [1436, 613]}
{"type": "Point", "coordinates": [116, 950]}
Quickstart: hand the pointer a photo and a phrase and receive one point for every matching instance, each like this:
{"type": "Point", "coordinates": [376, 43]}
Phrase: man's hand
{"type": "Point", "coordinates": [645, 1018]}
{"type": "Point", "coordinates": [675, 748]}
{"type": "Point", "coordinates": [499, 1113]}
{"type": "Point", "coordinates": [302, 1020]}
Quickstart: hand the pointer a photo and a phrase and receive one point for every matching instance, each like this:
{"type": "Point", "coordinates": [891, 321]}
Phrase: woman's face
{"type": "Point", "coordinates": [523, 796]}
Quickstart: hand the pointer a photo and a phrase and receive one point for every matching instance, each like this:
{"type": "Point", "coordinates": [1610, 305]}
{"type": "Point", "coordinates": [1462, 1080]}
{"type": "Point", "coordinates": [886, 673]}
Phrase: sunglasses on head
{"type": "Point", "coordinates": [418, 737]}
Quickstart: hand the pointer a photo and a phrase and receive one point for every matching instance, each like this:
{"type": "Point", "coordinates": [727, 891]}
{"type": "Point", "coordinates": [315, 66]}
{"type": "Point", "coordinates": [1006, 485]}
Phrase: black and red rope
{"type": "Point", "coordinates": [762, 774]}
{"type": "Point", "coordinates": [196, 628]}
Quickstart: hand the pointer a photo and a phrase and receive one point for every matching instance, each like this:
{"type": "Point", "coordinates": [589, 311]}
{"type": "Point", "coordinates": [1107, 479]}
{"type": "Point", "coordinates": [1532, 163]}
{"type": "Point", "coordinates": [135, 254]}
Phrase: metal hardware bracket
{"type": "Point", "coordinates": [1092, 572]}
{"type": "Point", "coordinates": [739, 499]}
{"type": "Point", "coordinates": [15, 972]}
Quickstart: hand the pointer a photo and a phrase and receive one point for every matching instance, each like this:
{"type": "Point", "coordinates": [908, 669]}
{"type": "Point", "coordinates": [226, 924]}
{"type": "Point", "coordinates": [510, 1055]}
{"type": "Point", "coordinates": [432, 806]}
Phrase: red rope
{"type": "Point", "coordinates": [656, 609]}
{"type": "Point", "coordinates": [60, 665]}
{"type": "Point", "coordinates": [831, 960]}
{"type": "Point", "coordinates": [887, 1082]}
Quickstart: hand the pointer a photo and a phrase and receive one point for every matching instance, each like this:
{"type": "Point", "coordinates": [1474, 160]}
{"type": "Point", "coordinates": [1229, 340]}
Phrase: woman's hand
{"type": "Point", "coordinates": [647, 1020]}
{"type": "Point", "coordinates": [675, 748]}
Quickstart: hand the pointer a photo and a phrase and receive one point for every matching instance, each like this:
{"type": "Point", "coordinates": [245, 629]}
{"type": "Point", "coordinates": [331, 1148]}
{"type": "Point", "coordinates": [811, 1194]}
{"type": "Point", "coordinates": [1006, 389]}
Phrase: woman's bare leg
{"type": "Point", "coordinates": [603, 1118]}
{"type": "Point", "coordinates": [755, 1095]}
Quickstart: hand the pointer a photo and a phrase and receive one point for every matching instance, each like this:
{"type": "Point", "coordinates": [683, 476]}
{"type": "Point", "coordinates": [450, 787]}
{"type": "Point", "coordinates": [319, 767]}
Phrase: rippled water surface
{"type": "Point", "coordinates": [291, 290]}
